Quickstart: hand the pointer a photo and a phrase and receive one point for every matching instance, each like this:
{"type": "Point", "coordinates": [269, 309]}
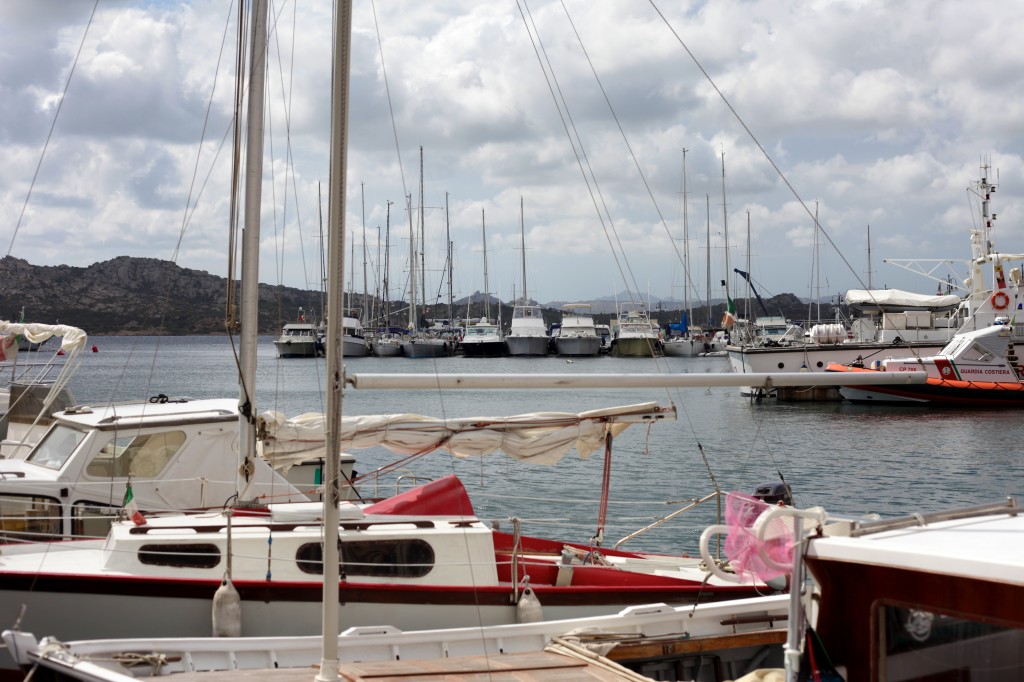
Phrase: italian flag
{"type": "Point", "coordinates": [131, 508]}
{"type": "Point", "coordinates": [729, 317]}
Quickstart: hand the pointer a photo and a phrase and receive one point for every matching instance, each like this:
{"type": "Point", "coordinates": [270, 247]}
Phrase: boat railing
{"type": "Point", "coordinates": [694, 503]}
{"type": "Point", "coordinates": [1008, 506]}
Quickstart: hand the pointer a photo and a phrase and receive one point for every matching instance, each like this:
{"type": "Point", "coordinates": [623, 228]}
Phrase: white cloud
{"type": "Point", "coordinates": [876, 119]}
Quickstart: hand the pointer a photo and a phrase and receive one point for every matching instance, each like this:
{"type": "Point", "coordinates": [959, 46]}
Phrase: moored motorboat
{"type": "Point", "coordinates": [299, 339]}
{"type": "Point", "coordinates": [977, 368]}
{"type": "Point", "coordinates": [577, 335]}
{"type": "Point", "coordinates": [633, 334]}
{"type": "Point", "coordinates": [483, 340]}
{"type": "Point", "coordinates": [527, 335]}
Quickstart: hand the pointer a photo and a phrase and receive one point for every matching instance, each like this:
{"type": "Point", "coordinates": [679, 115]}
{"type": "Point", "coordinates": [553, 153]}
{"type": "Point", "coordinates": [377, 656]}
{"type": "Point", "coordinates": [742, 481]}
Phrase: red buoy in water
{"type": "Point", "coordinates": [95, 349]}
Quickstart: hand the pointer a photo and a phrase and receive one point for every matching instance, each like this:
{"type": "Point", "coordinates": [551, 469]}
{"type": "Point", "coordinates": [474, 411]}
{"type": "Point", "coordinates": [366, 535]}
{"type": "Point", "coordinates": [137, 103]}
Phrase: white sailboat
{"type": "Point", "coordinates": [484, 338]}
{"type": "Point", "coordinates": [422, 342]}
{"type": "Point", "coordinates": [527, 334]}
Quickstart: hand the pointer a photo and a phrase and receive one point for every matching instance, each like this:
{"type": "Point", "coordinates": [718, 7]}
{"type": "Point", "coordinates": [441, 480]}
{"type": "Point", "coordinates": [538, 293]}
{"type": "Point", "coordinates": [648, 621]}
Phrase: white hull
{"type": "Point", "coordinates": [578, 345]}
{"type": "Point", "coordinates": [355, 347]}
{"type": "Point", "coordinates": [389, 644]}
{"type": "Point", "coordinates": [291, 348]}
{"type": "Point", "coordinates": [425, 348]}
{"type": "Point", "coordinates": [527, 345]}
{"type": "Point", "coordinates": [386, 348]}
{"type": "Point", "coordinates": [814, 358]}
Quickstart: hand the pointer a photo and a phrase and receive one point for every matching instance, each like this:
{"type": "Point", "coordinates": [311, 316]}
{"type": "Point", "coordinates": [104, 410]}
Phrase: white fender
{"type": "Point", "coordinates": [227, 611]}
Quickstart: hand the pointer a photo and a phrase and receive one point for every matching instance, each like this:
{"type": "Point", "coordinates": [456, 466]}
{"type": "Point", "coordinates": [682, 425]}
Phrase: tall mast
{"type": "Point", "coordinates": [387, 266]}
{"type": "Point", "coordinates": [487, 293]}
{"type": "Point", "coordinates": [413, 303]}
{"type": "Point", "coordinates": [522, 245]}
{"type": "Point", "coordinates": [335, 345]}
{"type": "Point", "coordinates": [707, 202]}
{"type": "Point", "coordinates": [423, 243]}
{"type": "Point", "coordinates": [869, 257]}
{"type": "Point", "coordinates": [686, 250]}
{"type": "Point", "coordinates": [448, 240]}
{"type": "Point", "coordinates": [362, 201]}
{"type": "Point", "coordinates": [817, 265]}
{"type": "Point", "coordinates": [251, 234]}
{"type": "Point", "coordinates": [725, 233]}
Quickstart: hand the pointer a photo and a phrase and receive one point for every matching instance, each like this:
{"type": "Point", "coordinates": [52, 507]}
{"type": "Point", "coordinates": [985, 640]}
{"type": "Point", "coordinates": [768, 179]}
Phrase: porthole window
{"type": "Point", "coordinates": [192, 555]}
{"type": "Point", "coordinates": [411, 558]}
{"type": "Point", "coordinates": [781, 365]}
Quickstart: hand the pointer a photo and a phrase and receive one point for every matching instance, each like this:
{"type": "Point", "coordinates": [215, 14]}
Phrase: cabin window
{"type": "Point", "coordinates": [141, 456]}
{"type": "Point", "coordinates": [977, 353]}
{"type": "Point", "coordinates": [29, 517]}
{"type": "Point", "coordinates": [192, 555]}
{"type": "Point", "coordinates": [54, 450]}
{"type": "Point", "coordinates": [917, 644]}
{"type": "Point", "coordinates": [92, 520]}
{"type": "Point", "coordinates": [411, 558]}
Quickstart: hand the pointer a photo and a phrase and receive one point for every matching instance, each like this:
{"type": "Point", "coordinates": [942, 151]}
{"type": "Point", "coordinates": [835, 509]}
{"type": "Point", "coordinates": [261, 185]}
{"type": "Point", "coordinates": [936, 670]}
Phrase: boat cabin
{"type": "Point", "coordinates": [178, 454]}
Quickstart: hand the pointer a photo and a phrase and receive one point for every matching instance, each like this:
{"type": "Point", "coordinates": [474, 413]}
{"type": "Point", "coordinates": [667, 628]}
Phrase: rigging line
{"type": "Point", "coordinates": [53, 125]}
{"type": "Point", "coordinates": [189, 206]}
{"type": "Point", "coordinates": [573, 143]}
{"type": "Point", "coordinates": [290, 160]}
{"type": "Point", "coordinates": [757, 142]}
{"type": "Point", "coordinates": [625, 139]}
{"type": "Point", "coordinates": [387, 91]}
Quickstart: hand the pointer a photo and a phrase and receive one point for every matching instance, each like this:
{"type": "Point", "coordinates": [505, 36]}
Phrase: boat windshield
{"type": "Point", "coordinates": [56, 447]}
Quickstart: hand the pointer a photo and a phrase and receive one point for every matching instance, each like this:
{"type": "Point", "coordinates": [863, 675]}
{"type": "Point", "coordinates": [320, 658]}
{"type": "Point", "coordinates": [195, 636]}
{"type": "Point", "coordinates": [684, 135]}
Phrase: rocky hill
{"type": "Point", "coordinates": [147, 296]}
{"type": "Point", "coordinates": [129, 295]}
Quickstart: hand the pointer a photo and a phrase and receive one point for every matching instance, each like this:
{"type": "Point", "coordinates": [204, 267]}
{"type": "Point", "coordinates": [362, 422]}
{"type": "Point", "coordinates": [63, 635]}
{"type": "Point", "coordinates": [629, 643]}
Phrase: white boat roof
{"type": "Point", "coordinates": [984, 546]}
{"type": "Point", "coordinates": [900, 300]}
{"type": "Point", "coordinates": [173, 411]}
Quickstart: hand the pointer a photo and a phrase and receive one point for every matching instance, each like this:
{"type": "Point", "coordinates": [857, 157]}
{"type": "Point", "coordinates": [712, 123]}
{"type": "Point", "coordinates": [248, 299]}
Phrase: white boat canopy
{"type": "Point", "coordinates": [73, 339]}
{"type": "Point", "coordinates": [540, 437]}
{"type": "Point", "coordinates": [894, 299]}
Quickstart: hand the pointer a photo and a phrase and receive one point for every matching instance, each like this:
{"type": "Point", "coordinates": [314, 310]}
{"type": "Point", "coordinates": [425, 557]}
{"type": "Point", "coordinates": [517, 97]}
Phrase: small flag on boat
{"type": "Point", "coordinates": [729, 318]}
{"type": "Point", "coordinates": [131, 508]}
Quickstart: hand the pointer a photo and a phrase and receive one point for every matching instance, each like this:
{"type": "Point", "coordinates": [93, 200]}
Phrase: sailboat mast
{"type": "Point", "coordinates": [387, 266]}
{"type": "Point", "coordinates": [251, 233]}
{"type": "Point", "coordinates": [725, 234]}
{"type": "Point", "coordinates": [707, 202]}
{"type": "Point", "coordinates": [522, 245]}
{"type": "Point", "coordinates": [686, 249]}
{"type": "Point", "coordinates": [423, 242]}
{"type": "Point", "coordinates": [487, 293]}
{"type": "Point", "coordinates": [362, 200]}
{"type": "Point", "coordinates": [413, 303]}
{"type": "Point", "coordinates": [335, 345]}
{"type": "Point", "coordinates": [448, 240]}
{"type": "Point", "coordinates": [869, 258]}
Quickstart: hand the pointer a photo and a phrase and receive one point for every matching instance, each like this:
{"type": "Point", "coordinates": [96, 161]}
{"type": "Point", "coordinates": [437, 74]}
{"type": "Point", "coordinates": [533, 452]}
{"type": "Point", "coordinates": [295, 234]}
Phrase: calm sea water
{"type": "Point", "coordinates": [849, 459]}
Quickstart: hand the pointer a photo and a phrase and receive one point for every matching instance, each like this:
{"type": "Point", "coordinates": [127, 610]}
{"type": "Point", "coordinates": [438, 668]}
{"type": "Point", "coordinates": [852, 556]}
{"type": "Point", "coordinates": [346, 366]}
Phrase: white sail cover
{"type": "Point", "coordinates": [540, 438]}
{"type": "Point", "coordinates": [73, 339]}
{"type": "Point", "coordinates": [899, 300]}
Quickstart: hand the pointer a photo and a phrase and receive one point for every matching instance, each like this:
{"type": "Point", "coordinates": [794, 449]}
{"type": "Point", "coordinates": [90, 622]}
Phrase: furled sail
{"type": "Point", "coordinates": [540, 437]}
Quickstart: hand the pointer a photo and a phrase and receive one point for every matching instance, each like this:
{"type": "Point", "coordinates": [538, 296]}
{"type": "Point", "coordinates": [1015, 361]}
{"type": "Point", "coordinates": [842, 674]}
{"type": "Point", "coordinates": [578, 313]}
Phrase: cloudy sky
{"type": "Point", "coordinates": [870, 113]}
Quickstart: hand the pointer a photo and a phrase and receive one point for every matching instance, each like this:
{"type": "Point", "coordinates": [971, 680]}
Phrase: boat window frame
{"type": "Point", "coordinates": [403, 558]}
{"type": "Point", "coordinates": [979, 630]}
{"type": "Point", "coordinates": [201, 555]}
{"type": "Point", "coordinates": [123, 456]}
{"type": "Point", "coordinates": [43, 453]}
{"type": "Point", "coordinates": [55, 520]}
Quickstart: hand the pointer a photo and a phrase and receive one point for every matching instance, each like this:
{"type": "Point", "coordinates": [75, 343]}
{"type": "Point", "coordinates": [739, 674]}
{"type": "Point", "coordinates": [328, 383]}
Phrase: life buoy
{"type": "Point", "coordinates": [1000, 300]}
